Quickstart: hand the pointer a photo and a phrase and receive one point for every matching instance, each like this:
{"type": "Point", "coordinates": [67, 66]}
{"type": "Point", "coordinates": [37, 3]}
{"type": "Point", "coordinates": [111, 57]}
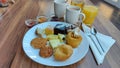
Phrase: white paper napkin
{"type": "Point", "coordinates": [105, 41]}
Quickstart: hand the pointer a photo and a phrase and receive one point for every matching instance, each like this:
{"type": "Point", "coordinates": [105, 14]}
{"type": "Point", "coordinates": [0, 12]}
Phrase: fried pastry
{"type": "Point", "coordinates": [46, 51]}
{"type": "Point", "coordinates": [38, 42]}
{"type": "Point", "coordinates": [63, 52]}
{"type": "Point", "coordinates": [72, 40]}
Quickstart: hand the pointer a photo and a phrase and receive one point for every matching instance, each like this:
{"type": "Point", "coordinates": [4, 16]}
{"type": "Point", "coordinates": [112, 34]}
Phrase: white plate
{"type": "Point", "coordinates": [33, 53]}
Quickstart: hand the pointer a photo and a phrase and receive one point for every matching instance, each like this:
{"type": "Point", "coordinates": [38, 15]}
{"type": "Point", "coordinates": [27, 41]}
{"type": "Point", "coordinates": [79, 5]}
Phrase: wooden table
{"type": "Point", "coordinates": [12, 30]}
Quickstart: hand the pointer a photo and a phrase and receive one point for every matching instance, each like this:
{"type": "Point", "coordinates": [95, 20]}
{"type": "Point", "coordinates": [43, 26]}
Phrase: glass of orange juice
{"type": "Point", "coordinates": [91, 13]}
{"type": "Point", "coordinates": [79, 3]}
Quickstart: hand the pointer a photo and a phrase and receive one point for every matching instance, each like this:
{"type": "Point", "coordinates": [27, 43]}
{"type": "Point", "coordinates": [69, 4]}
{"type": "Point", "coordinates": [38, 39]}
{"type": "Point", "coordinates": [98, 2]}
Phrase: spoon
{"type": "Point", "coordinates": [88, 31]}
{"type": "Point", "coordinates": [94, 32]}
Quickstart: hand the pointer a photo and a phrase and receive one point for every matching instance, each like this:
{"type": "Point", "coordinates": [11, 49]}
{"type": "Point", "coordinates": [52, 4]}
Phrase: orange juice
{"type": "Point", "coordinates": [91, 13]}
{"type": "Point", "coordinates": [77, 3]}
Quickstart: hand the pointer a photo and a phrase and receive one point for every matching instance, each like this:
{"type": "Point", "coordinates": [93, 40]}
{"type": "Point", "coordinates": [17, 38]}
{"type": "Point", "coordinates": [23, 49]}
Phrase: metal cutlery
{"type": "Point", "coordinates": [94, 32]}
{"type": "Point", "coordinates": [88, 31]}
{"type": "Point", "coordinates": [95, 44]}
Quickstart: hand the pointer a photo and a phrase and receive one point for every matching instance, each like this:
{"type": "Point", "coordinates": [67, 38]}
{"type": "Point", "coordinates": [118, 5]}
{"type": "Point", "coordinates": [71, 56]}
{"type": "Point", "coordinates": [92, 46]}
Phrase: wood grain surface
{"type": "Point", "coordinates": [12, 30]}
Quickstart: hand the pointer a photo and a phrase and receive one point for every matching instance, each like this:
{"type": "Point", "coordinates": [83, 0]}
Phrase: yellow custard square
{"type": "Point", "coordinates": [54, 43]}
{"type": "Point", "coordinates": [50, 37]}
{"type": "Point", "coordinates": [61, 36]}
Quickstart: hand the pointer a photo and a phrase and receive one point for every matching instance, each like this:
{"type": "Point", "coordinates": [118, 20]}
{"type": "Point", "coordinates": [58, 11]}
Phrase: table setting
{"type": "Point", "coordinates": [81, 16]}
{"type": "Point", "coordinates": [58, 33]}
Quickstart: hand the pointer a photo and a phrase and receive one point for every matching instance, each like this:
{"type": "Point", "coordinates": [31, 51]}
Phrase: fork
{"type": "Point", "coordinates": [94, 32]}
{"type": "Point", "coordinates": [87, 30]}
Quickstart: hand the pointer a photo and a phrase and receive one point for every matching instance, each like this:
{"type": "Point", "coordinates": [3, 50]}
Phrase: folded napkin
{"type": "Point", "coordinates": [105, 41]}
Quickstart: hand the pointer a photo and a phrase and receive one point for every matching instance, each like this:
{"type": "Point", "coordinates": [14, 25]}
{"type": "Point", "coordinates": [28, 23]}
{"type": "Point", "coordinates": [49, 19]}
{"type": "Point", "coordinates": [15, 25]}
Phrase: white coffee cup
{"type": "Point", "coordinates": [74, 14]}
{"type": "Point", "coordinates": [60, 8]}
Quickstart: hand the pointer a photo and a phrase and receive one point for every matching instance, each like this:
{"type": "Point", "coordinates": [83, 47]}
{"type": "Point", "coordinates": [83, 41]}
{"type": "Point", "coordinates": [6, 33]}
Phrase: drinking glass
{"type": "Point", "coordinates": [90, 13]}
{"type": "Point", "coordinates": [79, 3]}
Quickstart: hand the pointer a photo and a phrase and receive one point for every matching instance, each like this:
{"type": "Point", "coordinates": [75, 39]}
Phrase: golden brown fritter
{"type": "Point", "coordinates": [38, 42]}
{"type": "Point", "coordinates": [46, 51]}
